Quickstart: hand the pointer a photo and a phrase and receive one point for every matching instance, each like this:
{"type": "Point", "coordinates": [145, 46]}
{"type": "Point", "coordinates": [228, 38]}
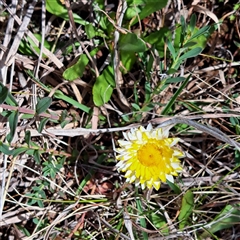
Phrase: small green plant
{"type": "Point", "coordinates": [185, 41]}
{"type": "Point", "coordinates": [117, 69]}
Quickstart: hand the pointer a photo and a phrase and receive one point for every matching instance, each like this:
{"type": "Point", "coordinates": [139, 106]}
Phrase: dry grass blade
{"type": "Point", "coordinates": [204, 10]}
{"type": "Point", "coordinates": [207, 129]}
{"type": "Point", "coordinates": [83, 88]}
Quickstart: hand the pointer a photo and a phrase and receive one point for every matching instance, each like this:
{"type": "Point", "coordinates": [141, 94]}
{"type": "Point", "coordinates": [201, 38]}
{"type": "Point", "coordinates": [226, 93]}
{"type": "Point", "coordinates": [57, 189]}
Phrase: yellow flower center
{"type": "Point", "coordinates": [149, 154]}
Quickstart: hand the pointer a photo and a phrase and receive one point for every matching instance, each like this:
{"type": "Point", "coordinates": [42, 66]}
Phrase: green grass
{"type": "Point", "coordinates": [58, 186]}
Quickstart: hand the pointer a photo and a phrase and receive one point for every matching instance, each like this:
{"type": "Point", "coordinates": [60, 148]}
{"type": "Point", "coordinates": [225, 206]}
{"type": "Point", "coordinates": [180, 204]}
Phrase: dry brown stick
{"type": "Point", "coordinates": [122, 7]}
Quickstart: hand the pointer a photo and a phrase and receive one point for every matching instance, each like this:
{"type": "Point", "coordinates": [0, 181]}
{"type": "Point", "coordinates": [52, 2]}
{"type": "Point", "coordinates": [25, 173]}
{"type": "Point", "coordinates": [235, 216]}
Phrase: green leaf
{"type": "Point", "coordinates": [174, 80]}
{"type": "Point", "coordinates": [103, 87]}
{"type": "Point", "coordinates": [125, 118]}
{"type": "Point", "coordinates": [171, 49]}
{"type": "Point", "coordinates": [18, 151]}
{"type": "Point", "coordinates": [174, 187]}
{"type": "Point", "coordinates": [131, 43]}
{"type": "Point", "coordinates": [177, 39]}
{"type": "Point", "coordinates": [237, 158]}
{"type": "Point", "coordinates": [149, 107]}
{"type": "Point", "coordinates": [128, 59]}
{"type": "Point", "coordinates": [76, 70]}
{"type": "Point", "coordinates": [200, 32]}
{"type": "Point", "coordinates": [159, 222]}
{"type": "Point", "coordinates": [90, 31]}
{"type": "Point", "coordinates": [36, 156]}
{"type": "Point", "coordinates": [62, 120]}
{"type": "Point", "coordinates": [10, 100]}
{"type": "Point", "coordinates": [147, 95]}
{"type": "Point", "coordinates": [184, 27]}
{"type": "Point", "coordinates": [24, 231]}
{"type": "Point", "coordinates": [234, 121]}
{"type": "Point", "coordinates": [27, 116]}
{"type": "Point", "coordinates": [40, 203]}
{"type": "Point", "coordinates": [51, 170]}
{"type": "Point", "coordinates": [142, 219]}
{"type": "Point", "coordinates": [43, 104]}
{"type": "Point", "coordinates": [227, 218]}
{"type": "Point", "coordinates": [193, 21]}
{"type": "Point", "coordinates": [132, 12]}
{"type": "Point", "coordinates": [55, 7]}
{"type": "Point", "coordinates": [157, 39]}
{"type": "Point", "coordinates": [30, 73]}
{"type": "Point", "coordinates": [27, 47]}
{"type": "Point", "coordinates": [189, 45]}
{"type": "Point", "coordinates": [105, 25]}
{"type": "Point", "coordinates": [186, 209]}
{"type": "Point", "coordinates": [5, 149]}
{"type": "Point", "coordinates": [192, 53]}
{"type": "Point", "coordinates": [3, 93]}
{"type": "Point", "coordinates": [135, 107]}
{"type": "Point", "coordinates": [30, 152]}
{"type": "Point", "coordinates": [101, 4]}
{"type": "Point", "coordinates": [192, 107]}
{"type": "Point", "coordinates": [27, 137]}
{"type": "Point", "coordinates": [149, 66]}
{"type": "Point", "coordinates": [176, 94]}
{"type": "Point", "coordinates": [42, 124]}
{"type": "Point", "coordinates": [147, 8]}
{"type": "Point", "coordinates": [58, 94]}
{"type": "Point", "coordinates": [237, 44]}
{"type": "Point", "coordinates": [13, 121]}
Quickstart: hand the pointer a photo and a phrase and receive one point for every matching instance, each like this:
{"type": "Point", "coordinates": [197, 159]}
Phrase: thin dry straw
{"type": "Point", "coordinates": [207, 129]}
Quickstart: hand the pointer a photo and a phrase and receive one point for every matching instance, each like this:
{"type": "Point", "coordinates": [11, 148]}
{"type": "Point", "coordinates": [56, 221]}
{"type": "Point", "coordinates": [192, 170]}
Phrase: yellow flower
{"type": "Point", "coordinates": [148, 156]}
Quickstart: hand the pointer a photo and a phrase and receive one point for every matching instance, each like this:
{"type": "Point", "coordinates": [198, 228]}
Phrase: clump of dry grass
{"type": "Point", "coordinates": [57, 172]}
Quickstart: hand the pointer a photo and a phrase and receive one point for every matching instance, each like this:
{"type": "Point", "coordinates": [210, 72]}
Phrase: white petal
{"type": "Point", "coordinates": [178, 153]}
{"type": "Point", "coordinates": [165, 132]}
{"type": "Point", "coordinates": [149, 127]}
{"type": "Point", "coordinates": [157, 185]}
{"type": "Point", "coordinates": [139, 135]}
{"type": "Point", "coordinates": [175, 141]}
{"type": "Point", "coordinates": [126, 167]}
{"type": "Point", "coordinates": [150, 183]}
{"type": "Point", "coordinates": [154, 134]}
{"type": "Point", "coordinates": [121, 164]}
{"type": "Point", "coordinates": [170, 178]}
{"type": "Point", "coordinates": [123, 142]}
{"type": "Point", "coordinates": [128, 174]}
{"type": "Point", "coordinates": [131, 136]}
{"type": "Point", "coordinates": [133, 130]}
{"type": "Point", "coordinates": [125, 157]}
{"type": "Point", "coordinates": [175, 165]}
{"type": "Point", "coordinates": [160, 134]}
{"type": "Point", "coordinates": [125, 135]}
{"type": "Point", "coordinates": [132, 178]}
{"type": "Point", "coordinates": [137, 182]}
